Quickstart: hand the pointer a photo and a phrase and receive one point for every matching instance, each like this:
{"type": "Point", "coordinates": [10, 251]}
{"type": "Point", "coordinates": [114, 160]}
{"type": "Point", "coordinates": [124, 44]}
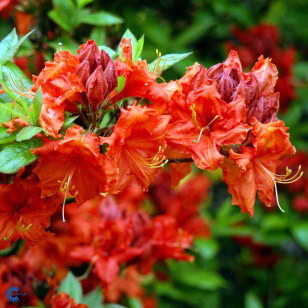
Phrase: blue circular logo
{"type": "Point", "coordinates": [12, 295]}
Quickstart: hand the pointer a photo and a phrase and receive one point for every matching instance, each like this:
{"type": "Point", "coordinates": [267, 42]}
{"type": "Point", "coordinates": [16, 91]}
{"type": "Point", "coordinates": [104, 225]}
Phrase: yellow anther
{"type": "Point", "coordinates": [203, 128]}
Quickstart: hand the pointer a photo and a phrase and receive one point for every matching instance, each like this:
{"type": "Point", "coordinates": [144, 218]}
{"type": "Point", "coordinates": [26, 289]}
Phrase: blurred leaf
{"type": "Point", "coordinates": [207, 248]}
{"type": "Point", "coordinates": [139, 48]}
{"type": "Point", "coordinates": [94, 299]}
{"type": "Point", "coordinates": [7, 43]}
{"type": "Point", "coordinates": [113, 55]}
{"type": "Point", "coordinates": [17, 155]}
{"type": "Point", "coordinates": [28, 132]}
{"type": "Point", "coordinates": [37, 106]}
{"type": "Point", "coordinates": [168, 61]}
{"type": "Point", "coordinates": [300, 233]}
{"type": "Point", "coordinates": [72, 287]}
{"type": "Point", "coordinates": [13, 49]}
{"type": "Point", "coordinates": [6, 138]}
{"type": "Point", "coordinates": [67, 43]}
{"type": "Point", "coordinates": [83, 3]}
{"type": "Point", "coordinates": [134, 303]}
{"type": "Point", "coordinates": [121, 83]}
{"type": "Point", "coordinates": [275, 222]}
{"type": "Point", "coordinates": [68, 121]}
{"type": "Point", "coordinates": [252, 301]}
{"type": "Point", "coordinates": [98, 35]}
{"type": "Point", "coordinates": [100, 18]}
{"type": "Point", "coordinates": [192, 275]}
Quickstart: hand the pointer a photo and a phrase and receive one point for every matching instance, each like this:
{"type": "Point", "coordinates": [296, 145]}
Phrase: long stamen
{"type": "Point", "coordinates": [203, 128]}
{"type": "Point", "coordinates": [282, 179]}
{"type": "Point", "coordinates": [89, 269]}
{"type": "Point", "coordinates": [65, 186]}
{"type": "Point", "coordinates": [155, 161]}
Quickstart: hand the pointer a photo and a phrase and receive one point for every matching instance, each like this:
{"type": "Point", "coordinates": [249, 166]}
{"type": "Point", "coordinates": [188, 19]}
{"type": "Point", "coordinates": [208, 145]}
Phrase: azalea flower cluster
{"type": "Point", "coordinates": [105, 234]}
{"type": "Point", "coordinates": [265, 39]}
{"type": "Point", "coordinates": [107, 129]}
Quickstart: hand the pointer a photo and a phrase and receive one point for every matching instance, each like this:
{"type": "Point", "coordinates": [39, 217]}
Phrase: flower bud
{"type": "Point", "coordinates": [89, 52]}
{"type": "Point", "coordinates": [111, 76]}
{"type": "Point", "coordinates": [97, 87]}
{"type": "Point", "coordinates": [83, 71]}
{"type": "Point", "coordinates": [104, 59]}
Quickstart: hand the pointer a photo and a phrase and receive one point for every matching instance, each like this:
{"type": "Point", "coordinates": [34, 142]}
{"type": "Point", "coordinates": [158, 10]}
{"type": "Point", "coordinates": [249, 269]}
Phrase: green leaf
{"type": "Point", "coordinates": [207, 248]}
{"type": "Point", "coordinates": [121, 83]}
{"type": "Point", "coordinates": [113, 306]}
{"type": "Point", "coordinates": [98, 35]}
{"type": "Point", "coordinates": [17, 155]}
{"type": "Point", "coordinates": [72, 287]}
{"type": "Point", "coordinates": [69, 121]}
{"type": "Point", "coordinates": [94, 299]}
{"type": "Point", "coordinates": [83, 3]}
{"type": "Point", "coordinates": [13, 49]}
{"type": "Point", "coordinates": [37, 106]}
{"type": "Point", "coordinates": [300, 233]}
{"type": "Point", "coordinates": [252, 301]}
{"type": "Point", "coordinates": [6, 138]}
{"type": "Point", "coordinates": [113, 55]}
{"type": "Point", "coordinates": [192, 275]}
{"type": "Point", "coordinates": [139, 48]}
{"type": "Point", "coordinates": [100, 18]}
{"type": "Point", "coordinates": [15, 111]}
{"type": "Point", "coordinates": [169, 60]}
{"type": "Point", "coordinates": [60, 20]}
{"type": "Point", "coordinates": [15, 83]}
{"type": "Point", "coordinates": [7, 43]}
{"type": "Point", "coordinates": [28, 132]}
{"type": "Point", "coordinates": [134, 303]}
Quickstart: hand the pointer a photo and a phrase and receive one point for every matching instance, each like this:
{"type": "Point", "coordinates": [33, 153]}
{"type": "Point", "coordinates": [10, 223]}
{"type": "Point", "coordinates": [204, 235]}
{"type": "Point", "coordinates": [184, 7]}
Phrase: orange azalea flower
{"type": "Point", "coordinates": [60, 88]}
{"type": "Point", "coordinates": [74, 165]}
{"type": "Point", "coordinates": [140, 82]}
{"type": "Point", "coordinates": [251, 169]}
{"type": "Point", "coordinates": [137, 145]}
{"type": "Point", "coordinates": [23, 212]}
{"type": "Point", "coordinates": [63, 300]}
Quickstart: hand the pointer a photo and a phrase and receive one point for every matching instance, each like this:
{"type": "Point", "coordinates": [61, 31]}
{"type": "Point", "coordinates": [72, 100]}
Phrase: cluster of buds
{"type": "Point", "coordinates": [97, 73]}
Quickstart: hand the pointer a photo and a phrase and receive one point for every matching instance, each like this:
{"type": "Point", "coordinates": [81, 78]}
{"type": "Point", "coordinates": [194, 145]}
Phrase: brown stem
{"type": "Point", "coordinates": [180, 160]}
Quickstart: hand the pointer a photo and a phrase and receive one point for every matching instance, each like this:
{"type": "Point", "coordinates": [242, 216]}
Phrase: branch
{"type": "Point", "coordinates": [180, 160]}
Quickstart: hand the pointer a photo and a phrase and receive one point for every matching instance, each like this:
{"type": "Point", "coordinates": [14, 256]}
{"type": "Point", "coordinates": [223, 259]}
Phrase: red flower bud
{"type": "Point", "coordinates": [89, 52]}
{"type": "Point", "coordinates": [215, 71]}
{"type": "Point", "coordinates": [97, 87]}
{"type": "Point", "coordinates": [105, 59]}
{"type": "Point", "coordinates": [225, 87]}
{"type": "Point", "coordinates": [83, 71]}
{"type": "Point", "coordinates": [111, 76]}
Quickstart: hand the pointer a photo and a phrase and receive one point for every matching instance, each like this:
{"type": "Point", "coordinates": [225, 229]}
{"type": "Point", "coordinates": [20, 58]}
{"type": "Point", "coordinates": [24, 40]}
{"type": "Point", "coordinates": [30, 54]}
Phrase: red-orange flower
{"type": "Point", "coordinates": [23, 213]}
{"type": "Point", "coordinates": [60, 87]}
{"type": "Point", "coordinates": [140, 82]}
{"type": "Point", "coordinates": [137, 145]}
{"type": "Point", "coordinates": [63, 300]}
{"type": "Point", "coordinates": [252, 168]}
{"type": "Point", "coordinates": [74, 165]}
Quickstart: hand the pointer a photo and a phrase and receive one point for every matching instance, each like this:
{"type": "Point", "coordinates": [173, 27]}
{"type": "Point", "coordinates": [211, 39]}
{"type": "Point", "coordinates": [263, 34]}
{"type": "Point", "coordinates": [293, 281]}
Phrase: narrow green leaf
{"type": "Point", "coordinates": [6, 138]}
{"type": "Point", "coordinates": [28, 132]}
{"type": "Point", "coordinates": [72, 287]}
{"type": "Point", "coordinates": [98, 35]}
{"type": "Point", "coordinates": [139, 48]}
{"type": "Point", "coordinates": [121, 83]}
{"type": "Point", "coordinates": [69, 121]}
{"type": "Point", "coordinates": [100, 18]}
{"type": "Point", "coordinates": [169, 60]}
{"type": "Point", "coordinates": [37, 106]}
{"type": "Point", "coordinates": [17, 155]}
{"type": "Point", "coordinates": [60, 20]}
{"type": "Point", "coordinates": [134, 303]}
{"type": "Point", "coordinates": [7, 43]}
{"type": "Point", "coordinates": [13, 49]}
